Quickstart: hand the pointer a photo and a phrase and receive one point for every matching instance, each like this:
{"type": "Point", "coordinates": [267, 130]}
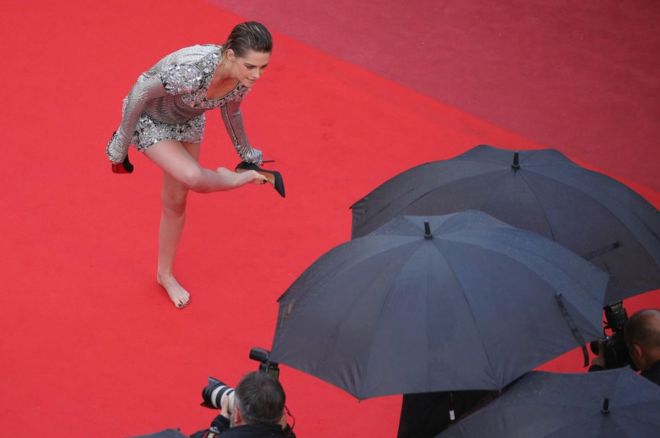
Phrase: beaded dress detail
{"type": "Point", "coordinates": [169, 101]}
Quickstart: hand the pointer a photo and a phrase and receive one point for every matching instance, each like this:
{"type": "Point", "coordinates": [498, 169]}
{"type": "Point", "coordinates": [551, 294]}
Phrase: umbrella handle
{"type": "Point", "coordinates": [516, 163]}
{"type": "Point", "coordinates": [574, 330]}
{"type": "Point", "coordinates": [605, 409]}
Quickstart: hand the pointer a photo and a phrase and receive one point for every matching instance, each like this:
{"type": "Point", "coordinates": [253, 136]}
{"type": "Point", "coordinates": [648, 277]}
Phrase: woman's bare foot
{"type": "Point", "coordinates": [179, 296]}
{"type": "Point", "coordinates": [255, 176]}
{"type": "Point", "coordinates": [260, 179]}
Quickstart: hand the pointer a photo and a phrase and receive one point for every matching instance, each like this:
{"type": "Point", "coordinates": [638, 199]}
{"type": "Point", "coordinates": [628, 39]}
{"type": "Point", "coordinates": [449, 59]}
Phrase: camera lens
{"type": "Point", "coordinates": [213, 392]}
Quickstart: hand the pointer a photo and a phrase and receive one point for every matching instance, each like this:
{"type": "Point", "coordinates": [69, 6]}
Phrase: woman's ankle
{"type": "Point", "coordinates": [162, 277]}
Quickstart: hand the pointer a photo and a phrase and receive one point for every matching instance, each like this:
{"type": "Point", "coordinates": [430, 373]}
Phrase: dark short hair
{"type": "Point", "coordinates": [643, 328]}
{"type": "Point", "coordinates": [260, 398]}
{"type": "Point", "coordinates": [250, 35]}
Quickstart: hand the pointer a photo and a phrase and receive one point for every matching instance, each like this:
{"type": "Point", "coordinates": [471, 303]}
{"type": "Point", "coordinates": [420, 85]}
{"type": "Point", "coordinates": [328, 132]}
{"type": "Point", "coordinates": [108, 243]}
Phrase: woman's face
{"type": "Point", "coordinates": [249, 67]}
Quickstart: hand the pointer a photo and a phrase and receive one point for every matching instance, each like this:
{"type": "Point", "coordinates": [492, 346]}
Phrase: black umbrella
{"type": "Point", "coordinates": [606, 404]}
{"type": "Point", "coordinates": [541, 191]}
{"type": "Point", "coordinates": [456, 302]}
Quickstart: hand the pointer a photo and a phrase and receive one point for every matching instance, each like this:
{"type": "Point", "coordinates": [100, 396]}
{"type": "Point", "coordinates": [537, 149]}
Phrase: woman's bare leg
{"type": "Point", "coordinates": [174, 197]}
{"type": "Point", "coordinates": [176, 161]}
{"type": "Point", "coordinates": [182, 172]}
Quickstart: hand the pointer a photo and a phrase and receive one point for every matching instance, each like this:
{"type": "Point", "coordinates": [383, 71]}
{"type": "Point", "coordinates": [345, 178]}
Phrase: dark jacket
{"type": "Point", "coordinates": [653, 373]}
{"type": "Point", "coordinates": [220, 428]}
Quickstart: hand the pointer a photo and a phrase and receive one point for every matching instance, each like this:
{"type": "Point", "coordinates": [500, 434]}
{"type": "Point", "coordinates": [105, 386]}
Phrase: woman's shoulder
{"type": "Point", "coordinates": [193, 54]}
{"type": "Point", "coordinates": [188, 68]}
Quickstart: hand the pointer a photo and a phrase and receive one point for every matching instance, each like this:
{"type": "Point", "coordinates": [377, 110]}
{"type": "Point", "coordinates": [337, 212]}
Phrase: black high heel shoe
{"type": "Point", "coordinates": [124, 167]}
{"type": "Point", "coordinates": [273, 176]}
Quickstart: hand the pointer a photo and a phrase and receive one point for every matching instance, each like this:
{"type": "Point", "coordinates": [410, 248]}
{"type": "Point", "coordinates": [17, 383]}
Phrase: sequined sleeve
{"type": "Point", "coordinates": [147, 87]}
{"type": "Point", "coordinates": [233, 119]}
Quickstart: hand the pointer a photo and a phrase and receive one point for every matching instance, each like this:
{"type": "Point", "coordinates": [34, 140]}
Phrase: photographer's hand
{"type": "Point", "coordinates": [227, 405]}
{"type": "Point", "coordinates": [283, 421]}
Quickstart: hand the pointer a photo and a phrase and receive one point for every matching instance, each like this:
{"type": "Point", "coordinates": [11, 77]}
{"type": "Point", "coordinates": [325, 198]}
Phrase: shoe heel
{"type": "Point", "coordinates": [273, 176]}
{"type": "Point", "coordinates": [124, 167]}
{"type": "Point", "coordinates": [279, 184]}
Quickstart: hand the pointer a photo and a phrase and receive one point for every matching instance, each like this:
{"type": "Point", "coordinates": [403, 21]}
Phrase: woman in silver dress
{"type": "Point", "coordinates": [163, 116]}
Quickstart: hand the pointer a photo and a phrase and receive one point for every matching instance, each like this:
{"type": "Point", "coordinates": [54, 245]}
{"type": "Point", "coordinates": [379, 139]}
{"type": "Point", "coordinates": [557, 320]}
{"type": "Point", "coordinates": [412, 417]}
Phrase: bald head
{"type": "Point", "coordinates": [643, 328]}
{"type": "Point", "coordinates": [642, 333]}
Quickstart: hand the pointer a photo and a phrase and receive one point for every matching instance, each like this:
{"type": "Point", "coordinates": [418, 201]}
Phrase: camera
{"type": "Point", "coordinates": [215, 390]}
{"type": "Point", "coordinates": [614, 347]}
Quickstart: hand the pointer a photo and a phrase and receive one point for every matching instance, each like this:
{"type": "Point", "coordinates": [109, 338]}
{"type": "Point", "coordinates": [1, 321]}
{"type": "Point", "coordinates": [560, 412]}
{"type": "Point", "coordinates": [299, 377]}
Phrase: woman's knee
{"type": "Point", "coordinates": [174, 201]}
{"type": "Point", "coordinates": [192, 178]}
{"type": "Point", "coordinates": [178, 161]}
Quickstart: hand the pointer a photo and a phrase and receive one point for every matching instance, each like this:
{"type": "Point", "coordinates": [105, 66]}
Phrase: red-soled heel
{"type": "Point", "coordinates": [124, 167]}
{"type": "Point", "coordinates": [273, 176]}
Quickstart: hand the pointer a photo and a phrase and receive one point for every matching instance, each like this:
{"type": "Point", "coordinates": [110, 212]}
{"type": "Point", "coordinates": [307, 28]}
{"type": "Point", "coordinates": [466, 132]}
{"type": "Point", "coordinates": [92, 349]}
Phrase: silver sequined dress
{"type": "Point", "coordinates": [169, 101]}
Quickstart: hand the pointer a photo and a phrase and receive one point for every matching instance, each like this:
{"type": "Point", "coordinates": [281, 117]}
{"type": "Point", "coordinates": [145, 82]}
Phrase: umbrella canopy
{"type": "Point", "coordinates": [606, 404]}
{"type": "Point", "coordinates": [469, 303]}
{"type": "Point", "coordinates": [541, 191]}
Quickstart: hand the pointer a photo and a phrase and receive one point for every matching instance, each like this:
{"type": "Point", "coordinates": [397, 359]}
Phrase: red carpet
{"type": "Point", "coordinates": [91, 344]}
{"type": "Point", "coordinates": [583, 77]}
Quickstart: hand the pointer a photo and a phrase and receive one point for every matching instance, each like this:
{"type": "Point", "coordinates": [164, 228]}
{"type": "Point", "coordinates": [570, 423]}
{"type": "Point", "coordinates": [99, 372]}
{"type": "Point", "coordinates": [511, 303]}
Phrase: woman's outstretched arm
{"type": "Point", "coordinates": [231, 116]}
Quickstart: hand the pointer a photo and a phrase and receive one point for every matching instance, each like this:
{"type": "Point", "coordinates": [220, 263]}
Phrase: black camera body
{"type": "Point", "coordinates": [614, 347]}
{"type": "Point", "coordinates": [215, 389]}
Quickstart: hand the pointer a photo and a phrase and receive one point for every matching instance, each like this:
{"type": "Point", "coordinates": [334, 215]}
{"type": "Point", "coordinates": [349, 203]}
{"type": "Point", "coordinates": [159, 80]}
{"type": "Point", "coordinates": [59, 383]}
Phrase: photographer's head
{"type": "Point", "coordinates": [642, 334]}
{"type": "Point", "coordinates": [259, 398]}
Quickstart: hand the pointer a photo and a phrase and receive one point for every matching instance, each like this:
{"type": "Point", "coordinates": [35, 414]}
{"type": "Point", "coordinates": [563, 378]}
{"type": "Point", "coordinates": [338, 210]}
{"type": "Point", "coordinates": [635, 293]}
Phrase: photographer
{"type": "Point", "coordinates": [642, 338]}
{"type": "Point", "coordinates": [255, 410]}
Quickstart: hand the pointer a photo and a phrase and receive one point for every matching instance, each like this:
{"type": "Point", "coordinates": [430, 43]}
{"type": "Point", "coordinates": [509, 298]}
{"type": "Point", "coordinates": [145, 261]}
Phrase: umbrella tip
{"type": "Point", "coordinates": [516, 165]}
{"type": "Point", "coordinates": [427, 231]}
{"type": "Point", "coordinates": [605, 409]}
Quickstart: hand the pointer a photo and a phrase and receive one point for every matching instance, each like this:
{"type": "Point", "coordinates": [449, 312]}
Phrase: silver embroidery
{"type": "Point", "coordinates": [179, 79]}
{"type": "Point", "coordinates": [149, 131]}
